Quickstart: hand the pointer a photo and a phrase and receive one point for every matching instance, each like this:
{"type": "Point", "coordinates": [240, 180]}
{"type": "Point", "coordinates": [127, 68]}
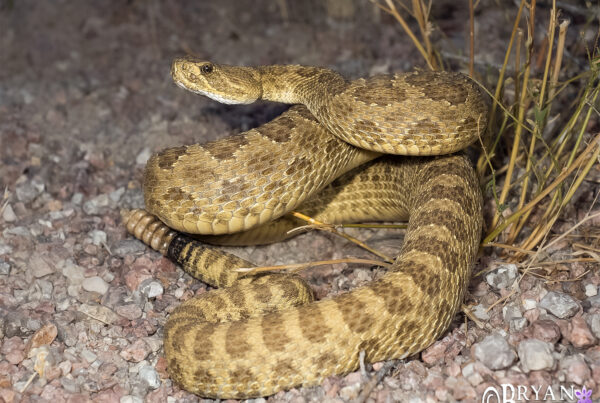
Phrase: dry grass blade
{"type": "Point", "coordinates": [303, 266]}
{"type": "Point", "coordinates": [331, 228]}
{"type": "Point", "coordinates": [420, 16]}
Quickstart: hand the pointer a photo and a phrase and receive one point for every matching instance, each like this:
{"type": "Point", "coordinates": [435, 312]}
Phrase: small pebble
{"type": "Point", "coordinates": [77, 198]}
{"type": "Point", "coordinates": [136, 352]}
{"type": "Point", "coordinates": [116, 195]}
{"type": "Point", "coordinates": [39, 266]}
{"type": "Point", "coordinates": [98, 237]}
{"type": "Point", "coordinates": [575, 368]}
{"type": "Point", "coordinates": [561, 305]}
{"type": "Point", "coordinates": [27, 191]}
{"type": "Point", "coordinates": [129, 311]}
{"type": "Point", "coordinates": [13, 350]}
{"type": "Point", "coordinates": [494, 352]}
{"type": "Point", "coordinates": [535, 355]}
{"type": "Point", "coordinates": [143, 156]}
{"type": "Point", "coordinates": [5, 249]}
{"type": "Point", "coordinates": [88, 356]}
{"type": "Point", "coordinates": [579, 334]}
{"type": "Point", "coordinates": [94, 206]}
{"type": "Point", "coordinates": [503, 276]}
{"type": "Point", "coordinates": [469, 372]}
{"type": "Point", "coordinates": [69, 384]}
{"type": "Point", "coordinates": [511, 311]}
{"type": "Point", "coordinates": [593, 322]}
{"type": "Point", "coordinates": [148, 374]}
{"type": "Point", "coordinates": [591, 290]}
{"type": "Point", "coordinates": [73, 272]}
{"type": "Point", "coordinates": [95, 284]}
{"type": "Point", "coordinates": [9, 214]}
{"type": "Point", "coordinates": [151, 288]}
{"type": "Point", "coordinates": [529, 304]}
{"type": "Point", "coordinates": [4, 268]}
{"type": "Point", "coordinates": [128, 247]}
{"type": "Point", "coordinates": [130, 399]}
{"type": "Point", "coordinates": [546, 330]}
{"type": "Point", "coordinates": [480, 312]}
{"type": "Point", "coordinates": [517, 324]}
{"type": "Point", "coordinates": [99, 312]}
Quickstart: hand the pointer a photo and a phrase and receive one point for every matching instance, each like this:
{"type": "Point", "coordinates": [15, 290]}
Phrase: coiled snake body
{"type": "Point", "coordinates": [262, 334]}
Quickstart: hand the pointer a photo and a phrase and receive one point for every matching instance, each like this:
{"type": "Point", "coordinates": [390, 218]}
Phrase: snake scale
{"type": "Point", "coordinates": [257, 335]}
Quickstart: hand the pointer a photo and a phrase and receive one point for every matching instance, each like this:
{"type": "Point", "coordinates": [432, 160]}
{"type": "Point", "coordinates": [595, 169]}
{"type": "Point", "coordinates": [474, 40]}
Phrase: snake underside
{"type": "Point", "coordinates": [261, 334]}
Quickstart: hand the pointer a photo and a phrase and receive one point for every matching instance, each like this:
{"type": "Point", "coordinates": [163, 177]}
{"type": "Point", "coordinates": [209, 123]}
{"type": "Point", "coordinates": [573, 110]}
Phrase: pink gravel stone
{"type": "Point", "coordinates": [579, 334]}
{"type": "Point", "coordinates": [136, 352]}
{"type": "Point", "coordinates": [13, 350]}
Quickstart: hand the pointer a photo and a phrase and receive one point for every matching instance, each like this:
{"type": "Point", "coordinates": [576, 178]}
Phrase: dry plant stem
{"type": "Point", "coordinates": [501, 300]}
{"type": "Point", "coordinates": [537, 130]}
{"type": "Point", "coordinates": [560, 48]}
{"type": "Point", "coordinates": [516, 143]}
{"type": "Point", "coordinates": [421, 14]}
{"type": "Point", "coordinates": [518, 69]}
{"type": "Point", "coordinates": [394, 12]}
{"type": "Point", "coordinates": [553, 210]}
{"type": "Point", "coordinates": [469, 314]}
{"type": "Point", "coordinates": [565, 261]}
{"type": "Point", "coordinates": [386, 226]}
{"type": "Point", "coordinates": [331, 228]}
{"type": "Point", "coordinates": [471, 39]}
{"type": "Point", "coordinates": [586, 247]}
{"type": "Point", "coordinates": [521, 116]}
{"type": "Point", "coordinates": [508, 247]}
{"type": "Point", "coordinates": [594, 147]}
{"type": "Point", "coordinates": [500, 82]}
{"type": "Point", "coordinates": [368, 389]}
{"type": "Point", "coordinates": [302, 266]}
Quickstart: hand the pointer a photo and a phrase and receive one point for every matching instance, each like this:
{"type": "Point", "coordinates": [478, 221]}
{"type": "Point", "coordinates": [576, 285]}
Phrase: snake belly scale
{"type": "Point", "coordinates": [260, 334]}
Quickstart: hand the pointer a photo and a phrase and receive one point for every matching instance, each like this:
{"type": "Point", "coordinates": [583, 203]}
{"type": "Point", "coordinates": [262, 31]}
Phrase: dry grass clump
{"type": "Point", "coordinates": [537, 150]}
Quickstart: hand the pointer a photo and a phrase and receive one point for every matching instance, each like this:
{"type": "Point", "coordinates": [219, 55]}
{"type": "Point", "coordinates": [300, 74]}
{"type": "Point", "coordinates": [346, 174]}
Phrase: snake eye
{"type": "Point", "coordinates": [206, 68]}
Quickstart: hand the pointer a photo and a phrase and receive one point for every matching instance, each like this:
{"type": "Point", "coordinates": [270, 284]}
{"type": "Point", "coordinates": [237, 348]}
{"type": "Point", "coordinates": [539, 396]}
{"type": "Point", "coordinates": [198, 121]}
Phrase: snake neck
{"type": "Point", "coordinates": [299, 84]}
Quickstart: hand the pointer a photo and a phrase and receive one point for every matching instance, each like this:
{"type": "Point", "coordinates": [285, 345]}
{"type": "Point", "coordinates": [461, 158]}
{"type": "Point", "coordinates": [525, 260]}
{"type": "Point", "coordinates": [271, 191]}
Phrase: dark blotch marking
{"type": "Point", "coordinates": [366, 126]}
{"type": "Point", "coordinates": [167, 158]}
{"type": "Point", "coordinates": [378, 90]}
{"type": "Point", "coordinates": [394, 299]}
{"type": "Point", "coordinates": [313, 324]}
{"type": "Point", "coordinates": [262, 293]}
{"type": "Point", "coordinates": [352, 310]}
{"type": "Point", "coordinates": [202, 344]}
{"type": "Point", "coordinates": [441, 86]}
{"type": "Point", "coordinates": [425, 127]}
{"type": "Point", "coordinates": [284, 368]}
{"type": "Point", "coordinates": [427, 281]}
{"type": "Point", "coordinates": [278, 130]}
{"type": "Point", "coordinates": [326, 360]}
{"type": "Point", "coordinates": [407, 330]}
{"type": "Point", "coordinates": [274, 335]}
{"type": "Point", "coordinates": [235, 340]}
{"type": "Point", "coordinates": [290, 290]}
{"type": "Point", "coordinates": [303, 112]}
{"type": "Point", "coordinates": [225, 149]}
{"type": "Point", "coordinates": [450, 259]}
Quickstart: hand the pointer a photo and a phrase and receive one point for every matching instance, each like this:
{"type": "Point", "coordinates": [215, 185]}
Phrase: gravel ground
{"type": "Point", "coordinates": [86, 97]}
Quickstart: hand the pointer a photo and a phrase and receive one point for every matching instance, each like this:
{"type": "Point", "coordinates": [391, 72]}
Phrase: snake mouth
{"type": "Point", "coordinates": [216, 97]}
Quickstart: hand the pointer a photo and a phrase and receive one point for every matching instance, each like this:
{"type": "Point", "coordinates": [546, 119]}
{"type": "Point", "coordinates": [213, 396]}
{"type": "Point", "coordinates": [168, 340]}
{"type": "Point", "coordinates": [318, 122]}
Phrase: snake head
{"type": "Point", "coordinates": [223, 83]}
